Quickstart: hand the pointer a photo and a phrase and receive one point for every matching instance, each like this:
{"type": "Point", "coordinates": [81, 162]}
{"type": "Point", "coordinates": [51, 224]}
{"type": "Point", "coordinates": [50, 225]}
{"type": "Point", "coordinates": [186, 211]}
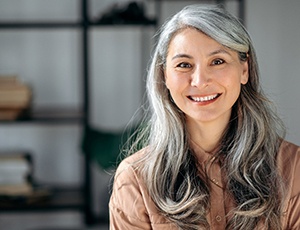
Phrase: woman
{"type": "Point", "coordinates": [214, 155]}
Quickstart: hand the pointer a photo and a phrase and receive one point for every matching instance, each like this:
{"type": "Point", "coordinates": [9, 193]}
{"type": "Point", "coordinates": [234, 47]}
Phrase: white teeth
{"type": "Point", "coordinates": [202, 99]}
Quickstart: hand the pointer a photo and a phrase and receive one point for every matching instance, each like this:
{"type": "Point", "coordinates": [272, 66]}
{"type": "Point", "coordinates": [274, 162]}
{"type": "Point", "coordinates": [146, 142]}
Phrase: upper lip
{"type": "Point", "coordinates": [203, 98]}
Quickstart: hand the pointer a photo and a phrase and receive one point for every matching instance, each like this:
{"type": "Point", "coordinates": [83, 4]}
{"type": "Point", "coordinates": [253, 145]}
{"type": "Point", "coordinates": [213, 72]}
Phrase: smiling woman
{"type": "Point", "coordinates": [212, 155]}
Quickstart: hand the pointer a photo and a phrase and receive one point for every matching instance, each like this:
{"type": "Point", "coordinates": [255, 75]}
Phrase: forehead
{"type": "Point", "coordinates": [193, 38]}
{"type": "Point", "coordinates": [192, 41]}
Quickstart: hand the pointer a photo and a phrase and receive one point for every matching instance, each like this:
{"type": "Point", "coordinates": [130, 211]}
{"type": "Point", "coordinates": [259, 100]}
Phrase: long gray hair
{"type": "Point", "coordinates": [249, 144]}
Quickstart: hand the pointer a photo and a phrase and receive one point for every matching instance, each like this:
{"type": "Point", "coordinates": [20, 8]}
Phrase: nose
{"type": "Point", "coordinates": [200, 78]}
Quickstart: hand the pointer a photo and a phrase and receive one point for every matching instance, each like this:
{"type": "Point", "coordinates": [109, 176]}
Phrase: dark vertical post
{"type": "Point", "coordinates": [158, 13]}
{"type": "Point", "coordinates": [242, 15]}
{"type": "Point", "coordinates": [89, 218]}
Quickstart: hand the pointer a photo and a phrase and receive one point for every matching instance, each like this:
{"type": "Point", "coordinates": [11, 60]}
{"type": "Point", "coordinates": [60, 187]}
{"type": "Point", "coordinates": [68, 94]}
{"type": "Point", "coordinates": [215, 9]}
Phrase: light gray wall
{"type": "Point", "coordinates": [275, 30]}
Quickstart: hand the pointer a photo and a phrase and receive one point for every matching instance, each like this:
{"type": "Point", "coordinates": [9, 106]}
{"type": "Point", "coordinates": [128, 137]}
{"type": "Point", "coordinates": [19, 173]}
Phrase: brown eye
{"type": "Point", "coordinates": [184, 65]}
{"type": "Point", "coordinates": [218, 61]}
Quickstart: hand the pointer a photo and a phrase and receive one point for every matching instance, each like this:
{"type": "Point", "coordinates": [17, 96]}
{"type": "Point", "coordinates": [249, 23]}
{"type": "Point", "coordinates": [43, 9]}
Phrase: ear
{"type": "Point", "coordinates": [245, 73]}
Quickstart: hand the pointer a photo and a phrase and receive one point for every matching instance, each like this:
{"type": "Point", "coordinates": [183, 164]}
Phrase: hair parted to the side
{"type": "Point", "coordinates": [249, 145]}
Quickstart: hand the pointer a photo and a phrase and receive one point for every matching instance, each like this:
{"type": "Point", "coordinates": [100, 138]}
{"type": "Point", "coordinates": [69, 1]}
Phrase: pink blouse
{"type": "Point", "coordinates": [132, 208]}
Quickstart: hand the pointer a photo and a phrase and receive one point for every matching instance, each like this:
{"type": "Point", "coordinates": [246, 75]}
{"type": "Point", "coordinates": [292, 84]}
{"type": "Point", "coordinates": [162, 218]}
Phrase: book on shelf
{"type": "Point", "coordinates": [15, 174]}
{"type": "Point", "coordinates": [14, 170]}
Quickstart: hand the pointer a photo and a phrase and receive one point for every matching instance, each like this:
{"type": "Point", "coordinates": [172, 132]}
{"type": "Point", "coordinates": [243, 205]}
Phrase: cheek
{"type": "Point", "coordinates": [231, 79]}
{"type": "Point", "coordinates": [234, 89]}
{"type": "Point", "coordinates": [173, 81]}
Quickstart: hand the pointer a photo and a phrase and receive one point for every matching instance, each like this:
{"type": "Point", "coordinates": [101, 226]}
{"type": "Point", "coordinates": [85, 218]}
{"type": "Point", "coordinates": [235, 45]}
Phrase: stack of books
{"type": "Point", "coordinates": [15, 175]}
{"type": "Point", "coordinates": [15, 97]}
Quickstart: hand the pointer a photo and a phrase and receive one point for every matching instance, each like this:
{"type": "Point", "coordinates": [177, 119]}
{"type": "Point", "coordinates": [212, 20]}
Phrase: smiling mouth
{"type": "Point", "coordinates": [204, 99]}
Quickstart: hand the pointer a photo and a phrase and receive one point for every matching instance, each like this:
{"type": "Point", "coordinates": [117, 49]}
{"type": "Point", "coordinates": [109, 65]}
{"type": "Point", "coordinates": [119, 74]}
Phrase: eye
{"type": "Point", "coordinates": [184, 65]}
{"type": "Point", "coordinates": [218, 61]}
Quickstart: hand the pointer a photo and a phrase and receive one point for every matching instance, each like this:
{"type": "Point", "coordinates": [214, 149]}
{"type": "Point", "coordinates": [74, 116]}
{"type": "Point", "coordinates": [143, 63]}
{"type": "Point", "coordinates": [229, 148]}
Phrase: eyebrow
{"type": "Point", "coordinates": [182, 56]}
{"type": "Point", "coordinates": [219, 51]}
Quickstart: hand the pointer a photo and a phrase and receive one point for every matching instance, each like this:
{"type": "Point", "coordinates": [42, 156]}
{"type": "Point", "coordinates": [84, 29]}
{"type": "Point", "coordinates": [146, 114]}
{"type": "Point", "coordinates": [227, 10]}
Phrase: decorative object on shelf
{"type": "Point", "coordinates": [130, 13]}
{"type": "Point", "coordinates": [15, 97]}
{"type": "Point", "coordinates": [105, 147]}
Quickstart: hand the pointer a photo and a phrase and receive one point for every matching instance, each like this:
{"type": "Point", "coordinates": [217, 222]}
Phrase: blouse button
{"type": "Point", "coordinates": [218, 218]}
{"type": "Point", "coordinates": [215, 181]}
{"type": "Point", "coordinates": [284, 213]}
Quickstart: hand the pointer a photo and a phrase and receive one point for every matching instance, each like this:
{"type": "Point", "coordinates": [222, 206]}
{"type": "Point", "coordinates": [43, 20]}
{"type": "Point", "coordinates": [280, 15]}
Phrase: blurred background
{"type": "Point", "coordinates": [72, 75]}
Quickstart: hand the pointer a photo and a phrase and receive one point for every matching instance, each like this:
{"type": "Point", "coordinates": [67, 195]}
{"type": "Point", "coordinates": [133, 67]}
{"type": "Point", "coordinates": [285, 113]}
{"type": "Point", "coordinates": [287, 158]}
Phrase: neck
{"type": "Point", "coordinates": [206, 135]}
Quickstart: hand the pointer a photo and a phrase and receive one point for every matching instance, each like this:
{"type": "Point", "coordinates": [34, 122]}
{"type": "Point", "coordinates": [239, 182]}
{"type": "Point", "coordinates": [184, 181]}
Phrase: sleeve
{"type": "Point", "coordinates": [126, 207]}
{"type": "Point", "coordinates": [294, 213]}
{"type": "Point", "coordinates": [293, 210]}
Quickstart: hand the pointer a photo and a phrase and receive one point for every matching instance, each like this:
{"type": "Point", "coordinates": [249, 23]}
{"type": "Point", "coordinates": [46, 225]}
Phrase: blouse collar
{"type": "Point", "coordinates": [202, 155]}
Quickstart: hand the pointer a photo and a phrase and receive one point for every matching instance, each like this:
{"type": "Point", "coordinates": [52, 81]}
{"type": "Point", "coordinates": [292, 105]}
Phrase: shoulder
{"type": "Point", "coordinates": [288, 152]}
{"type": "Point", "coordinates": [131, 165]}
{"type": "Point", "coordinates": [288, 160]}
{"type": "Point", "coordinates": [129, 170]}
{"type": "Point", "coordinates": [129, 193]}
{"type": "Point", "coordinates": [130, 201]}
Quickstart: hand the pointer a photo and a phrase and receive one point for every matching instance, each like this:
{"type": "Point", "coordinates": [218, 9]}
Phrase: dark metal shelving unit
{"type": "Point", "coordinates": [62, 198]}
{"type": "Point", "coordinates": [38, 25]}
{"type": "Point", "coordinates": [49, 115]}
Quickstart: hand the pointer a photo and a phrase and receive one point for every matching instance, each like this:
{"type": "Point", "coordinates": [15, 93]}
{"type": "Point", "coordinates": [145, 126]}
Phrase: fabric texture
{"type": "Point", "coordinates": [131, 207]}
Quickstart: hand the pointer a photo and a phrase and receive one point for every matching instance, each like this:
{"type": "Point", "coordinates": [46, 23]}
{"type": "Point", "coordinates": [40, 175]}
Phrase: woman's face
{"type": "Point", "coordinates": [204, 78]}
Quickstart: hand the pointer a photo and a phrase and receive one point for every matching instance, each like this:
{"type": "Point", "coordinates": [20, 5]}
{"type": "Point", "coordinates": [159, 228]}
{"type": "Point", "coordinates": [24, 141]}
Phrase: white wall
{"type": "Point", "coordinates": [275, 30]}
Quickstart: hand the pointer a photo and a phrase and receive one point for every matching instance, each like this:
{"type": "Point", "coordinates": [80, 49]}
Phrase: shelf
{"type": "Point", "coordinates": [50, 115]}
{"type": "Point", "coordinates": [39, 25]}
{"type": "Point", "coordinates": [128, 23]}
{"type": "Point", "coordinates": [66, 25]}
{"type": "Point", "coordinates": [59, 199]}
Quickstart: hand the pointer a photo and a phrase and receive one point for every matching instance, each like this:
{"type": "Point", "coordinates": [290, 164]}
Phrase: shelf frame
{"type": "Point", "coordinates": [60, 199]}
{"type": "Point", "coordinates": [17, 25]}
